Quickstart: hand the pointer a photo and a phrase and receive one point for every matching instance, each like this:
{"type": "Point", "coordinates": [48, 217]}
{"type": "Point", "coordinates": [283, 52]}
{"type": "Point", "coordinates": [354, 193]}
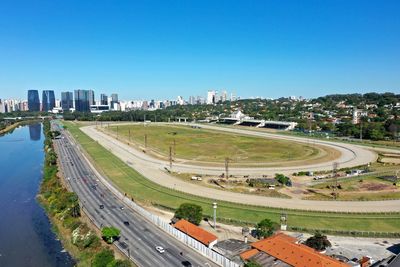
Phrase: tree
{"type": "Point", "coordinates": [282, 179]}
{"type": "Point", "coordinates": [318, 242]}
{"type": "Point", "coordinates": [190, 212]}
{"type": "Point", "coordinates": [109, 234]}
{"type": "Point", "coordinates": [265, 228]}
{"type": "Point", "coordinates": [103, 259]}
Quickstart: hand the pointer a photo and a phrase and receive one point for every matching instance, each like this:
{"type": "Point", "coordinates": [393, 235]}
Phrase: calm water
{"type": "Point", "coordinates": [26, 238]}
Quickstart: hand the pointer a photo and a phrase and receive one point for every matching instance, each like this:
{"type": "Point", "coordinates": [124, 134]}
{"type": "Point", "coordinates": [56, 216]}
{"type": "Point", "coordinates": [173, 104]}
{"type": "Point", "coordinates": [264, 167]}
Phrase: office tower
{"type": "Point", "coordinates": [82, 100]}
{"type": "Point", "coordinates": [114, 100]}
{"type": "Point", "coordinates": [91, 98]}
{"type": "Point", "coordinates": [211, 97]}
{"type": "Point", "coordinates": [67, 100]}
{"type": "Point", "coordinates": [33, 100]}
{"type": "Point", "coordinates": [103, 99]}
{"type": "Point", "coordinates": [48, 100]}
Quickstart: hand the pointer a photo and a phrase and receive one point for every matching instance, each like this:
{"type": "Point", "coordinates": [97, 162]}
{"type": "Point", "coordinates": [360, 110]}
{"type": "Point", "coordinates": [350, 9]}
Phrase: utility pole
{"type": "Point", "coordinates": [215, 214]}
{"type": "Point", "coordinates": [145, 141]}
{"type": "Point", "coordinates": [129, 135]}
{"type": "Point", "coordinates": [117, 131]}
{"type": "Point", "coordinates": [174, 147]}
{"type": "Point", "coordinates": [227, 167]}
{"type": "Point", "coordinates": [361, 129]}
{"type": "Point", "coordinates": [334, 173]}
{"type": "Point", "coordinates": [170, 157]}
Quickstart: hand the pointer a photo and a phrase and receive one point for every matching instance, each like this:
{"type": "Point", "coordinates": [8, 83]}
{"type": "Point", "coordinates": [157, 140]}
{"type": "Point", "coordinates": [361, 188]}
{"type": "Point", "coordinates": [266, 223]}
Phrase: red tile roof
{"type": "Point", "coordinates": [196, 232]}
{"type": "Point", "coordinates": [249, 253]}
{"type": "Point", "coordinates": [286, 249]}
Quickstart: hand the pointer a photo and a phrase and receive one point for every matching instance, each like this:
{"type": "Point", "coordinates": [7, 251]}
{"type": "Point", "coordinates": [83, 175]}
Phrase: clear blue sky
{"type": "Point", "coordinates": [161, 49]}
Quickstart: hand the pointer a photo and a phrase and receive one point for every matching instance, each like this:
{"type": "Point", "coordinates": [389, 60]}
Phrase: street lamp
{"type": "Point", "coordinates": [215, 214]}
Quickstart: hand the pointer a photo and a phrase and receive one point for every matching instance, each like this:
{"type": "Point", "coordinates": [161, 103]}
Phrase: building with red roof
{"type": "Point", "coordinates": [289, 252]}
{"type": "Point", "coordinates": [197, 233]}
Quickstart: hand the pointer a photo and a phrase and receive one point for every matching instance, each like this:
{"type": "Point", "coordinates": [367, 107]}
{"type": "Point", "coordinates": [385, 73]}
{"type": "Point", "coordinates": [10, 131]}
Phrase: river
{"type": "Point", "coordinates": [26, 238]}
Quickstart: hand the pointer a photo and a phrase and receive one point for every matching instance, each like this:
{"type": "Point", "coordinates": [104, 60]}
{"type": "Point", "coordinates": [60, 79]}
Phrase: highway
{"type": "Point", "coordinates": [138, 236]}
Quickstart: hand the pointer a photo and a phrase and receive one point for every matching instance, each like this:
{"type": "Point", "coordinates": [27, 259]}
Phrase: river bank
{"type": "Point", "coordinates": [25, 230]}
{"type": "Point", "coordinates": [11, 127]}
{"type": "Point", "coordinates": [79, 237]}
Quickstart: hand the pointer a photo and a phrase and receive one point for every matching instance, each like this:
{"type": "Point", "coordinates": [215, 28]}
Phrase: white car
{"type": "Point", "coordinates": [160, 249]}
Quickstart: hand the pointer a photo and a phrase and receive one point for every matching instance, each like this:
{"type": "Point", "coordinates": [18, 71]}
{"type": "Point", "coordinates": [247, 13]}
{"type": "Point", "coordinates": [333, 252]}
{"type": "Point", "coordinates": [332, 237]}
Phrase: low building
{"type": "Point", "coordinates": [201, 235]}
{"type": "Point", "coordinates": [99, 108]}
{"type": "Point", "coordinates": [284, 250]}
{"type": "Point", "coordinates": [231, 249]}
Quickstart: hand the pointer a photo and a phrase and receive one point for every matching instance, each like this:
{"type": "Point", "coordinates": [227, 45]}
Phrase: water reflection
{"type": "Point", "coordinates": [35, 131]}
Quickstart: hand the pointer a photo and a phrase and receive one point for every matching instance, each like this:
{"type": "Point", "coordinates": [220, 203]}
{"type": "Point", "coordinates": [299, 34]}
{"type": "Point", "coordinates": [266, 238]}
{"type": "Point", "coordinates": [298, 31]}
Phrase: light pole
{"type": "Point", "coordinates": [215, 214]}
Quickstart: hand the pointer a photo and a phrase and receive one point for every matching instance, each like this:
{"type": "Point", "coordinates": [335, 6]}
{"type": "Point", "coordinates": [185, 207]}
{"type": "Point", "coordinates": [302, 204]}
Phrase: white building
{"type": "Point", "coordinates": [180, 100]}
{"type": "Point", "coordinates": [357, 114]}
{"type": "Point", "coordinates": [211, 97]}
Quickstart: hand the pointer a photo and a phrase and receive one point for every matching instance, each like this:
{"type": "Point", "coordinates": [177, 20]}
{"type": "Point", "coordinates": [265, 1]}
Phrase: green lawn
{"type": "Point", "coordinates": [147, 192]}
{"type": "Point", "coordinates": [213, 146]}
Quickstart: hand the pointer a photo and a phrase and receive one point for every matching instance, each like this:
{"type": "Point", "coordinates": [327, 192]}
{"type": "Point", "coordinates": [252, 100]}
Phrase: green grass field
{"type": "Point", "coordinates": [147, 192]}
{"type": "Point", "coordinates": [213, 146]}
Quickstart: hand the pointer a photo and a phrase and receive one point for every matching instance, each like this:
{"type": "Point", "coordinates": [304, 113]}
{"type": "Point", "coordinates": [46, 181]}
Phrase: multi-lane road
{"type": "Point", "coordinates": [139, 237]}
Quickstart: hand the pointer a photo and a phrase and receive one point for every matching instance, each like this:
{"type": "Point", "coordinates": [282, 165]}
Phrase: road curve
{"type": "Point", "coordinates": [351, 156]}
{"type": "Point", "coordinates": [153, 170]}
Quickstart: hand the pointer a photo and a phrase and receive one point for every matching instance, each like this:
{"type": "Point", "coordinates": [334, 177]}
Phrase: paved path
{"type": "Point", "coordinates": [154, 171]}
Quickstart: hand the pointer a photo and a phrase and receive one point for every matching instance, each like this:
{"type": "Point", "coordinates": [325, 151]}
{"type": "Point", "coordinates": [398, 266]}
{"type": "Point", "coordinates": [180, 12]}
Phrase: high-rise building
{"type": "Point", "coordinates": [82, 100]}
{"type": "Point", "coordinates": [67, 100]}
{"type": "Point", "coordinates": [211, 97]}
{"type": "Point", "coordinates": [224, 96]}
{"type": "Point", "coordinates": [48, 100]}
{"type": "Point", "coordinates": [2, 106]}
{"type": "Point", "coordinates": [33, 100]}
{"type": "Point", "coordinates": [103, 99]}
{"type": "Point", "coordinates": [114, 100]}
{"type": "Point", "coordinates": [91, 98]}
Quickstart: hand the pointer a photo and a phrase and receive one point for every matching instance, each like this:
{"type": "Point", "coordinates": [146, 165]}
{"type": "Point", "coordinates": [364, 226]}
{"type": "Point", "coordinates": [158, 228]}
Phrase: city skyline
{"type": "Point", "coordinates": [259, 48]}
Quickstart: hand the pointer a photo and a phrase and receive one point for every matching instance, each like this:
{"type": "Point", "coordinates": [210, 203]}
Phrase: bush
{"type": "Point", "coordinates": [120, 263]}
{"type": "Point", "coordinates": [103, 258]}
{"type": "Point", "coordinates": [92, 241]}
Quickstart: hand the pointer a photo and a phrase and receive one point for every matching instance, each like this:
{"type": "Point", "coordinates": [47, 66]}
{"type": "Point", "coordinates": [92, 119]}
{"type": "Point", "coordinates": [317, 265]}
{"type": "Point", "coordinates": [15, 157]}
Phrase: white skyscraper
{"type": "Point", "coordinates": [180, 100]}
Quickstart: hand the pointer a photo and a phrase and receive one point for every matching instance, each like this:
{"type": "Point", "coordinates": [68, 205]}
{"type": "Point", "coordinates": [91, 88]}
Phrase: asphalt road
{"type": "Point", "coordinates": [140, 237]}
{"type": "Point", "coordinates": [155, 172]}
